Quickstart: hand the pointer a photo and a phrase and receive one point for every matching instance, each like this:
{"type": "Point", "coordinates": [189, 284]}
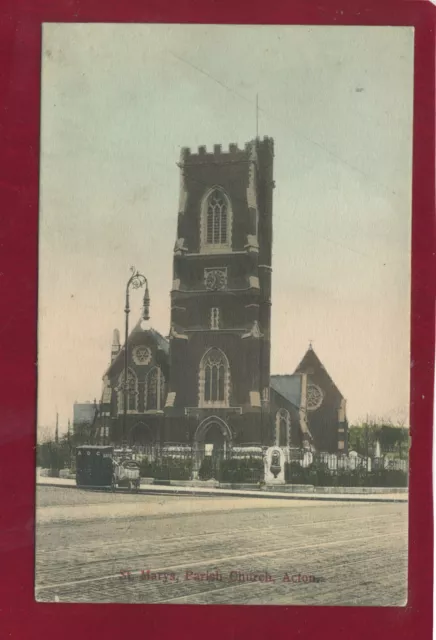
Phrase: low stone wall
{"type": "Point", "coordinates": [147, 480]}
{"type": "Point", "coordinates": [289, 488]}
{"type": "Point", "coordinates": [214, 484]}
{"type": "Point", "coordinates": [282, 488]}
{"type": "Point", "coordinates": [279, 488]}
{"type": "Point", "coordinates": [308, 488]}
{"type": "Point", "coordinates": [63, 473]}
{"type": "Point", "coordinates": [240, 486]}
{"type": "Point", "coordinates": [361, 490]}
{"type": "Point", "coordinates": [184, 483]}
{"type": "Point", "coordinates": [66, 473]}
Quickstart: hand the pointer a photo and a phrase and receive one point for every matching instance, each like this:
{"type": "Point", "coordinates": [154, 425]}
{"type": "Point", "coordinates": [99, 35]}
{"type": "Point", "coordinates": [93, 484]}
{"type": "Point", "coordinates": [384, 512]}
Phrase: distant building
{"type": "Point", "coordinates": [83, 413]}
{"type": "Point", "coordinates": [210, 382]}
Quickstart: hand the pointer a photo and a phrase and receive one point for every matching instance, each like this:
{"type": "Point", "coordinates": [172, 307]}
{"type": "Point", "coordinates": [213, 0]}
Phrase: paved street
{"type": "Point", "coordinates": [103, 547]}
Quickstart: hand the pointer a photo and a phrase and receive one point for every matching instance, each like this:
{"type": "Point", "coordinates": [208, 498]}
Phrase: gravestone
{"type": "Point", "coordinates": [332, 462]}
{"type": "Point", "coordinates": [274, 462]}
{"type": "Point", "coordinates": [307, 459]}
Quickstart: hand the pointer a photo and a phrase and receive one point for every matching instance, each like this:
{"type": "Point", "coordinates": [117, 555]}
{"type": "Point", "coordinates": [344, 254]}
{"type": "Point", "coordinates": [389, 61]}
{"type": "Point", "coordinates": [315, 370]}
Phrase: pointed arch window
{"type": "Point", "coordinates": [214, 379]}
{"type": "Point", "coordinates": [132, 392]}
{"type": "Point", "coordinates": [217, 212]}
{"type": "Point", "coordinates": [283, 428]}
{"type": "Point", "coordinates": [216, 221]}
{"type": "Point", "coordinates": [154, 390]}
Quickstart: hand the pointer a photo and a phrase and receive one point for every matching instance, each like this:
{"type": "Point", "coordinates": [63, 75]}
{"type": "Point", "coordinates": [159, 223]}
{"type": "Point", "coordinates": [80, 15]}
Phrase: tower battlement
{"type": "Point", "coordinates": [232, 154]}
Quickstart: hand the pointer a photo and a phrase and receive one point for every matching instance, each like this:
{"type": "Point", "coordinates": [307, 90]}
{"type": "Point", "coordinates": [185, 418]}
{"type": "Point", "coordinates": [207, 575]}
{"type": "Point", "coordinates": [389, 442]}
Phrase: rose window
{"type": "Point", "coordinates": [314, 397]}
{"type": "Point", "coordinates": [141, 355]}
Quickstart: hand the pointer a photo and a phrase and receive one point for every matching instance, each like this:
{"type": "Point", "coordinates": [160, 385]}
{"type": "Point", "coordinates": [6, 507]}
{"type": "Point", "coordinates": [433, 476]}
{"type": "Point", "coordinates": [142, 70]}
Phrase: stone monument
{"type": "Point", "coordinates": [274, 462]}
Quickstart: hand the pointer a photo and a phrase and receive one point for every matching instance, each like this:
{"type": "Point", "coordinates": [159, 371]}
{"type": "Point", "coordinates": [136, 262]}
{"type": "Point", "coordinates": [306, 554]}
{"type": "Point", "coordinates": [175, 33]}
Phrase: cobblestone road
{"type": "Point", "coordinates": [103, 547]}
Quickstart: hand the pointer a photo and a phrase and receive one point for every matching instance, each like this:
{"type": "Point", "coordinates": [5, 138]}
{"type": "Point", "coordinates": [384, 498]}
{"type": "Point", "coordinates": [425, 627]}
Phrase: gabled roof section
{"type": "Point", "coordinates": [311, 361]}
{"type": "Point", "coordinates": [288, 386]}
{"type": "Point", "coordinates": [161, 343]}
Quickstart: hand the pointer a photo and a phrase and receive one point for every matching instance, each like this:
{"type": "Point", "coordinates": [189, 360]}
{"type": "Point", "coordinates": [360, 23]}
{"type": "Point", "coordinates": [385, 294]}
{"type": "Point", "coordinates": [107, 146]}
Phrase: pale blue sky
{"type": "Point", "coordinates": [118, 102]}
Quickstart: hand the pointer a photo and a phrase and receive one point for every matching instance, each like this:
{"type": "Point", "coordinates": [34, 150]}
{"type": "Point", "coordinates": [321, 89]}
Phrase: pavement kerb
{"type": "Point", "coordinates": [210, 492]}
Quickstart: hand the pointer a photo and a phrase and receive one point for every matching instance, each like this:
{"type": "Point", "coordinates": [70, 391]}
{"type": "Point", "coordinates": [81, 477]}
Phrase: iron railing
{"type": "Point", "coordinates": [175, 461]}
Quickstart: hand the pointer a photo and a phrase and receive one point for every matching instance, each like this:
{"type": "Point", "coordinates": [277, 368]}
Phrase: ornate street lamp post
{"type": "Point", "coordinates": [136, 281]}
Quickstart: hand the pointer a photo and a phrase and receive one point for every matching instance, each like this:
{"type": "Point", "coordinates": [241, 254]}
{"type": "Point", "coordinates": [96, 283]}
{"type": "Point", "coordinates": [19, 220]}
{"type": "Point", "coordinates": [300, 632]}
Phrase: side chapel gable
{"type": "Point", "coordinates": [312, 365]}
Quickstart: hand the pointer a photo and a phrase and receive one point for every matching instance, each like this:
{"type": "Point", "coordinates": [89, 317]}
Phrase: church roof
{"type": "Point", "coordinates": [161, 343]}
{"type": "Point", "coordinates": [310, 363]}
{"type": "Point", "coordinates": [288, 386]}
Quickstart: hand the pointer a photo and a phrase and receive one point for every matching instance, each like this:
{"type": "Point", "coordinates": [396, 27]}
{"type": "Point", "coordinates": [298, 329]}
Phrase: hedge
{"type": "Point", "coordinates": [167, 469]}
{"type": "Point", "coordinates": [320, 475]}
{"type": "Point", "coordinates": [249, 470]}
{"type": "Point", "coordinates": [206, 471]}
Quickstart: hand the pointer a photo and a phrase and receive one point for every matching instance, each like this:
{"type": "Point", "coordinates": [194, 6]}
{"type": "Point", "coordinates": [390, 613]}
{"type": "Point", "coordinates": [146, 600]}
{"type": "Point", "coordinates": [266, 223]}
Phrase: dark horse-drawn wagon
{"type": "Point", "coordinates": [97, 468]}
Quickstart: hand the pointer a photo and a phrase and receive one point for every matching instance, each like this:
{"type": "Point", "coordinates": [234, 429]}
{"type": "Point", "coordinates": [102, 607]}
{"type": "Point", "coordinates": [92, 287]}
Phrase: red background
{"type": "Point", "coordinates": [20, 616]}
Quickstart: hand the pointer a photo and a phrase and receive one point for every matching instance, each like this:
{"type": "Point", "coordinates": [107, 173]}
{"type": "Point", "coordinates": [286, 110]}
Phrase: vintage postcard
{"type": "Point", "coordinates": [224, 314]}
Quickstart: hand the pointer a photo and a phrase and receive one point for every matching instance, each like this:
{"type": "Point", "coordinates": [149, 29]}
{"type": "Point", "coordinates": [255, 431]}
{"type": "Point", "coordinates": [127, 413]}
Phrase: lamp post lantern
{"type": "Point", "coordinates": [136, 281]}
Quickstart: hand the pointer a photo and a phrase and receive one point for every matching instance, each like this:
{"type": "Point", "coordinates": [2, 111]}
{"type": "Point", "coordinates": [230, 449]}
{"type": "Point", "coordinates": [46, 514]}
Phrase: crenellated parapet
{"type": "Point", "coordinates": [216, 155]}
{"type": "Point", "coordinates": [266, 144]}
{"type": "Point", "coordinates": [232, 153]}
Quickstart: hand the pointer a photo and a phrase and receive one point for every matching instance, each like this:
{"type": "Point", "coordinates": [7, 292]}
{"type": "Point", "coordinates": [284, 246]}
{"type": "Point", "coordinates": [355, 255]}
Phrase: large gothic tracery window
{"type": "Point", "coordinates": [216, 221]}
{"type": "Point", "coordinates": [216, 218]}
{"type": "Point", "coordinates": [154, 390]}
{"type": "Point", "coordinates": [132, 391]}
{"type": "Point", "coordinates": [214, 379]}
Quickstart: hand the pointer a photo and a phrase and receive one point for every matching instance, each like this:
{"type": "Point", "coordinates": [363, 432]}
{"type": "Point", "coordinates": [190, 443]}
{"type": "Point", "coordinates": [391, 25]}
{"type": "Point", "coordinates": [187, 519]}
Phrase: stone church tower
{"type": "Point", "coordinates": [208, 387]}
{"type": "Point", "coordinates": [221, 298]}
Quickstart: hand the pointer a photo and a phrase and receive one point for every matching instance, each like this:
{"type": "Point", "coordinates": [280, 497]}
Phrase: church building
{"type": "Point", "coordinates": [209, 381]}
